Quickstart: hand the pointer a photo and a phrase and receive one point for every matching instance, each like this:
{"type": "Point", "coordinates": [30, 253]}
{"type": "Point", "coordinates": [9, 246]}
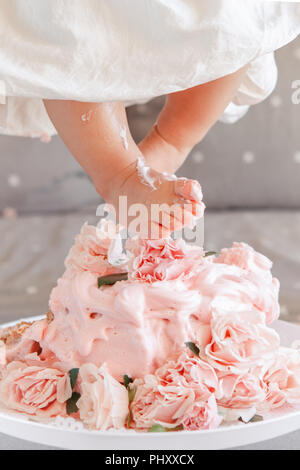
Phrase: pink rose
{"type": "Point", "coordinates": [104, 401]}
{"type": "Point", "coordinates": [162, 260]}
{"type": "Point", "coordinates": [282, 379]}
{"type": "Point", "coordinates": [245, 257]}
{"type": "Point", "coordinates": [202, 415]}
{"type": "Point", "coordinates": [241, 391]}
{"type": "Point", "coordinates": [94, 251]}
{"type": "Point", "coordinates": [187, 370]}
{"type": "Point", "coordinates": [157, 404]}
{"type": "Point", "coordinates": [35, 390]}
{"type": "Point", "coordinates": [240, 340]}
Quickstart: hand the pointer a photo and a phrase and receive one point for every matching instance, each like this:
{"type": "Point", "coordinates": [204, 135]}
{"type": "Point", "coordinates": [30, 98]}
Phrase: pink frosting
{"type": "Point", "coordinates": [104, 401]}
{"type": "Point", "coordinates": [131, 326]}
{"type": "Point", "coordinates": [245, 257]}
{"type": "Point", "coordinates": [34, 390]}
{"type": "Point", "coordinates": [170, 297]}
{"type": "Point", "coordinates": [231, 287]}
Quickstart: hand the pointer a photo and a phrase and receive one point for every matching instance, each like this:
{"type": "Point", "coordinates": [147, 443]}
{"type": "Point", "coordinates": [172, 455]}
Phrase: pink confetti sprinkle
{"type": "Point", "coordinates": [9, 213]}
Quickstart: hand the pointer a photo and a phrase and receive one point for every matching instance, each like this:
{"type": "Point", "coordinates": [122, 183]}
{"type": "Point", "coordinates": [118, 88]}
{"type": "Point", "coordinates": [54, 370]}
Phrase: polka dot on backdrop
{"type": "Point", "coordinates": [297, 53]}
{"type": "Point", "coordinates": [198, 157]}
{"type": "Point", "coordinates": [297, 156]}
{"type": "Point", "coordinates": [31, 290]}
{"type": "Point", "coordinates": [248, 157]}
{"type": "Point", "coordinates": [275, 101]}
{"type": "Point", "coordinates": [36, 248]}
{"type": "Point", "coordinates": [14, 180]}
{"type": "Point", "coordinates": [142, 109]}
{"type": "Point", "coordinates": [284, 311]}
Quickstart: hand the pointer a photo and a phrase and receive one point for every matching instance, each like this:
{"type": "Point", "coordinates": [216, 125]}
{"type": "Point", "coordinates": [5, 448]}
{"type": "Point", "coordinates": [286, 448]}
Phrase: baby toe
{"type": "Point", "coordinates": [188, 189]}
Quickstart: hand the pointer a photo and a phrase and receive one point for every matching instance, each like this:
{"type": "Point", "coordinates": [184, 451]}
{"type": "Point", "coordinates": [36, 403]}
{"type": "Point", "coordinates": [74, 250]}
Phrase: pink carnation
{"type": "Point", "coordinates": [93, 250]}
{"type": "Point", "coordinates": [240, 340]}
{"type": "Point", "coordinates": [282, 379]}
{"type": "Point", "coordinates": [104, 401]}
{"type": "Point", "coordinates": [162, 260]}
{"type": "Point", "coordinates": [187, 370]}
{"type": "Point", "coordinates": [169, 396]}
{"type": "Point", "coordinates": [158, 404]}
{"type": "Point", "coordinates": [241, 391]}
{"type": "Point", "coordinates": [202, 415]}
{"type": "Point", "coordinates": [35, 390]}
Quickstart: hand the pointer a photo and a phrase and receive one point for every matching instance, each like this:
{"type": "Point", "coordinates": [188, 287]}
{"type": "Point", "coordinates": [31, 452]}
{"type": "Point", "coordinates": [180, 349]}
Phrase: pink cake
{"type": "Point", "coordinates": [164, 337]}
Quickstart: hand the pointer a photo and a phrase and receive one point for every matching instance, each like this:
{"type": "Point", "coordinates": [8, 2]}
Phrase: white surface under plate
{"type": "Point", "coordinates": [67, 434]}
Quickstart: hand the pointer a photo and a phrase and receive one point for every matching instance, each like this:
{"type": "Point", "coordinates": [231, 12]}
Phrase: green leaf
{"type": "Point", "coordinates": [128, 420]}
{"type": "Point", "coordinates": [71, 405]}
{"type": "Point", "coordinates": [131, 392]}
{"type": "Point", "coordinates": [193, 348]}
{"type": "Point", "coordinates": [157, 428]}
{"type": "Point", "coordinates": [254, 419]}
{"type": "Point", "coordinates": [177, 428]}
{"type": "Point", "coordinates": [127, 380]}
{"type": "Point", "coordinates": [111, 279]}
{"type": "Point", "coordinates": [73, 374]}
{"type": "Point", "coordinates": [160, 428]}
{"type": "Point", "coordinates": [210, 253]}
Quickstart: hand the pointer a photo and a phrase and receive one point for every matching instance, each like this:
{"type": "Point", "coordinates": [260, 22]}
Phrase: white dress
{"type": "Point", "coordinates": [133, 50]}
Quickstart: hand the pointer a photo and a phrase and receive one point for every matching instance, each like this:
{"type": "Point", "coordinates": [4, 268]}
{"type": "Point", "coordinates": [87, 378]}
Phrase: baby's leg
{"type": "Point", "coordinates": [185, 119]}
{"type": "Point", "coordinates": [97, 136]}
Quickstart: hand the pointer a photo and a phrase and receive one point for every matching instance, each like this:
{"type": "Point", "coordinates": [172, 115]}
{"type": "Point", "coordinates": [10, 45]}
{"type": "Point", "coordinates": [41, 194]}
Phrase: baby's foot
{"type": "Point", "coordinates": [155, 204]}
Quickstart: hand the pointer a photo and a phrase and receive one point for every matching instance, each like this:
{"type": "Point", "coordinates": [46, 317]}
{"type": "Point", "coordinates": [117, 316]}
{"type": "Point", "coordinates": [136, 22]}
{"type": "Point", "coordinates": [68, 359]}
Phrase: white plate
{"type": "Point", "coordinates": [224, 437]}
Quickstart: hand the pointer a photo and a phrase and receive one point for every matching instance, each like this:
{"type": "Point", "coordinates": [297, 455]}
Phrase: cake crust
{"type": "Point", "coordinates": [13, 334]}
